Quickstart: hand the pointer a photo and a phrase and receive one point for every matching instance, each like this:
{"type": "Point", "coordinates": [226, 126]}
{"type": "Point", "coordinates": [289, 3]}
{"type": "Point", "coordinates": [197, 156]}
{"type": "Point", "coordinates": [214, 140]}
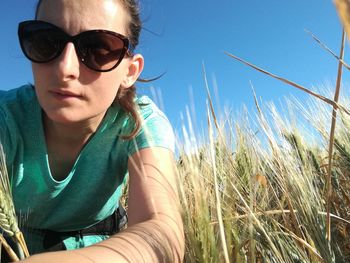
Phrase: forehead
{"type": "Point", "coordinates": [75, 16]}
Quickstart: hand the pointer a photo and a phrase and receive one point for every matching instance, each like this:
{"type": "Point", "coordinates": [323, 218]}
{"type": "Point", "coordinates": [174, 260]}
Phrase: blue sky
{"type": "Point", "coordinates": [183, 35]}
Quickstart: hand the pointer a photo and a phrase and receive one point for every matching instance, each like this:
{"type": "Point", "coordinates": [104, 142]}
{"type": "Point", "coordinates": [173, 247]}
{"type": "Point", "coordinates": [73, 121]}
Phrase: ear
{"type": "Point", "coordinates": [135, 67]}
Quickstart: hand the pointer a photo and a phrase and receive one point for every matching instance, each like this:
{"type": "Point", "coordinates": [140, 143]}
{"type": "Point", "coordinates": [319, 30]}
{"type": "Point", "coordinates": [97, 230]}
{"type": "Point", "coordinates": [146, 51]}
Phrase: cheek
{"type": "Point", "coordinates": [106, 87]}
{"type": "Point", "coordinates": [40, 74]}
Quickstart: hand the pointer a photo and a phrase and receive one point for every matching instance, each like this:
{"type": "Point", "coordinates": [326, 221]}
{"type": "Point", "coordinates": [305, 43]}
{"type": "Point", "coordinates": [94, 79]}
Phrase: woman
{"type": "Point", "coordinates": [73, 138]}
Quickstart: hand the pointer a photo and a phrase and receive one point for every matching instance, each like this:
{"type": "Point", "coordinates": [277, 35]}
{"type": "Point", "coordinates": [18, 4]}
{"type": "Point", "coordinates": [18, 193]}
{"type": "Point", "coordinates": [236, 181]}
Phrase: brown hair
{"type": "Point", "coordinates": [125, 97]}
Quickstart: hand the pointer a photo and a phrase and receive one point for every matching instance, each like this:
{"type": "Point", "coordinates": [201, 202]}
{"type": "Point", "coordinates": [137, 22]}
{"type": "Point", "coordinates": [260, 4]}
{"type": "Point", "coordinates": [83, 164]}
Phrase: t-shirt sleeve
{"type": "Point", "coordinates": [156, 130]}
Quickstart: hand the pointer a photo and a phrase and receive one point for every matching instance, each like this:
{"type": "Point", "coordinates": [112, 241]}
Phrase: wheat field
{"type": "Point", "coordinates": [255, 191]}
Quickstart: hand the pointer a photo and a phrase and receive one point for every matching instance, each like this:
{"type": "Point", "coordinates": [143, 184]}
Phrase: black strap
{"type": "Point", "coordinates": [53, 240]}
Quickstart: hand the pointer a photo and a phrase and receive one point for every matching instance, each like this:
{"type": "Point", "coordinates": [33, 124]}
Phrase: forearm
{"type": "Point", "coordinates": [151, 241]}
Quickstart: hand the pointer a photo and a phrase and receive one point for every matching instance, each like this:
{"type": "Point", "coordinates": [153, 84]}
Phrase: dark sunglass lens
{"type": "Point", "coordinates": [101, 51]}
{"type": "Point", "coordinates": [41, 44]}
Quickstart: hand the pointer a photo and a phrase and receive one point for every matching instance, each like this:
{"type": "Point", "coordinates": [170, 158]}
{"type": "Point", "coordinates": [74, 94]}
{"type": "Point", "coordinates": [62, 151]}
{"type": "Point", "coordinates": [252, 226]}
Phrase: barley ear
{"type": "Point", "coordinates": [8, 219]}
{"type": "Point", "coordinates": [343, 9]}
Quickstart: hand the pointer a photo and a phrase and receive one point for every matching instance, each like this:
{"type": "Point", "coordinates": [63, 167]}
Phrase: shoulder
{"type": "Point", "coordinates": [156, 130]}
{"type": "Point", "coordinates": [19, 96]}
{"type": "Point", "coordinates": [147, 108]}
{"type": "Point", "coordinates": [24, 92]}
{"type": "Point", "coordinates": [16, 106]}
{"type": "Point", "coordinates": [19, 104]}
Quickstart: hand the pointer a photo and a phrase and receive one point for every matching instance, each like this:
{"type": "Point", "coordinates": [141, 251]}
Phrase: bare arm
{"type": "Point", "coordinates": [155, 230]}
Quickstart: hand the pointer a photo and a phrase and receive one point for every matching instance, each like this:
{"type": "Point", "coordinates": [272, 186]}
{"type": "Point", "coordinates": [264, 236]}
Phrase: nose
{"type": "Point", "coordinates": [68, 63]}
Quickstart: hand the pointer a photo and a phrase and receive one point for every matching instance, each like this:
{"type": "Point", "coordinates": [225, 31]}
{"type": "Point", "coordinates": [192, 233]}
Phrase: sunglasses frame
{"type": "Point", "coordinates": [23, 31]}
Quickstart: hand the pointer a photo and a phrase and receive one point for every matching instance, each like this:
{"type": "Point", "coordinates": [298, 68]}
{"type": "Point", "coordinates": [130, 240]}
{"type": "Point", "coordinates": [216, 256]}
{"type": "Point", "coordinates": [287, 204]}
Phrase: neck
{"type": "Point", "coordinates": [74, 134]}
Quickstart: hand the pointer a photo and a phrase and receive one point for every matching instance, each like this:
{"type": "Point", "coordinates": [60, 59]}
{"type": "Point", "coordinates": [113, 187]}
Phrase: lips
{"type": "Point", "coordinates": [65, 94]}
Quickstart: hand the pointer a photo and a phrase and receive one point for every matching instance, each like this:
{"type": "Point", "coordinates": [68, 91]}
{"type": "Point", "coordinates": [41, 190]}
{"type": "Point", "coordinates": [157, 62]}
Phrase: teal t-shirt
{"type": "Point", "coordinates": [94, 185]}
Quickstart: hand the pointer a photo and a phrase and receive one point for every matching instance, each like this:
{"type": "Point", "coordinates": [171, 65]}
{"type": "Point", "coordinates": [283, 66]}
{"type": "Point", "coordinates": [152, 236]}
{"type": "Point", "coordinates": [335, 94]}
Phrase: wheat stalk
{"type": "Point", "coordinates": [216, 188]}
{"type": "Point", "coordinates": [331, 140]}
{"type": "Point", "coordinates": [8, 249]}
{"type": "Point", "coordinates": [8, 219]}
{"type": "Point", "coordinates": [328, 49]}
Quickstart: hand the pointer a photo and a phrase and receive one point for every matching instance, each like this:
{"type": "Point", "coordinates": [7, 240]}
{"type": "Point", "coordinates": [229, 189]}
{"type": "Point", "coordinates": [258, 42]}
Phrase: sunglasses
{"type": "Point", "coordinates": [99, 50]}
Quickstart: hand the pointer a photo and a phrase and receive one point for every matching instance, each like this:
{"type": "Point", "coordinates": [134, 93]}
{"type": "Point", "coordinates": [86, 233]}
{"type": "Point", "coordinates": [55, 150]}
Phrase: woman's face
{"type": "Point", "coordinates": [67, 90]}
